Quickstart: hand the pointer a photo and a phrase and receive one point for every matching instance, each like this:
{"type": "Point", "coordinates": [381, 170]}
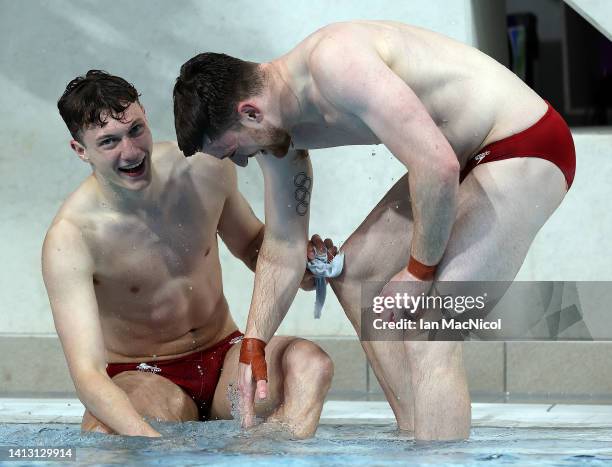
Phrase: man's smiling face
{"type": "Point", "coordinates": [119, 150]}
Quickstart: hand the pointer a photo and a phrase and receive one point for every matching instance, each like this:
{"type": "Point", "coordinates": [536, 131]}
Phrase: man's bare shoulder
{"type": "Point", "coordinates": [348, 35]}
{"type": "Point", "coordinates": [212, 173]}
{"type": "Point", "coordinates": [347, 57]}
{"type": "Point", "coordinates": [167, 156]}
{"type": "Point", "coordinates": [64, 246]}
{"type": "Point", "coordinates": [62, 231]}
{"type": "Point", "coordinates": [338, 29]}
{"type": "Point", "coordinates": [333, 50]}
{"type": "Point", "coordinates": [339, 44]}
{"type": "Point", "coordinates": [83, 200]}
{"type": "Point", "coordinates": [74, 215]}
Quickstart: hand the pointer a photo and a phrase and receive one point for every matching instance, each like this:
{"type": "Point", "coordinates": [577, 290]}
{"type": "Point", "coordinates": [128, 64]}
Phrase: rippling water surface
{"type": "Point", "coordinates": [223, 443]}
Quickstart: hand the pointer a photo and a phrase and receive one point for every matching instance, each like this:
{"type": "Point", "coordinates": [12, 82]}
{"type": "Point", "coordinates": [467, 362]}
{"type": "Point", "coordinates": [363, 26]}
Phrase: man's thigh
{"type": "Point", "coordinates": [501, 207]}
{"type": "Point", "coordinates": [226, 393]}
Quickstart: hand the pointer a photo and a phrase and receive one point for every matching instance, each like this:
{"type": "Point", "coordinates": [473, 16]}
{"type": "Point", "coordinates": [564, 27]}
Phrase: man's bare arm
{"type": "Point", "coordinates": [280, 267]}
{"type": "Point", "coordinates": [243, 232]}
{"type": "Point", "coordinates": [357, 81]}
{"type": "Point", "coordinates": [239, 227]}
{"type": "Point", "coordinates": [68, 275]}
{"type": "Point", "coordinates": [282, 258]}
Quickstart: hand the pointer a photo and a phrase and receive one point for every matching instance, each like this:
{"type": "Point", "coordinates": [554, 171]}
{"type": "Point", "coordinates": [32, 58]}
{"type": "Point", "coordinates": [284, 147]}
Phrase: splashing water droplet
{"type": "Point", "coordinates": [233, 395]}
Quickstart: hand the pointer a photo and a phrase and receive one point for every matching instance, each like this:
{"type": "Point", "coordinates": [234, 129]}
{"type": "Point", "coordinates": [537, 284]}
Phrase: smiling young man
{"type": "Point", "coordinates": [488, 162]}
{"type": "Point", "coordinates": [131, 266]}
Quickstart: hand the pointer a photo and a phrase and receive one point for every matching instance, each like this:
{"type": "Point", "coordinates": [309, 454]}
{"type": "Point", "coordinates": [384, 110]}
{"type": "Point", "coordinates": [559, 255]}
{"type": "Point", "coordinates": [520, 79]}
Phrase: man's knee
{"type": "Point", "coordinates": [427, 358]}
{"type": "Point", "coordinates": [92, 424]}
{"type": "Point", "coordinates": [307, 360]}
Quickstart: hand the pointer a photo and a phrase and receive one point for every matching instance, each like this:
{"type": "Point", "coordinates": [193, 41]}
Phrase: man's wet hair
{"type": "Point", "coordinates": [88, 97]}
{"type": "Point", "coordinates": [206, 95]}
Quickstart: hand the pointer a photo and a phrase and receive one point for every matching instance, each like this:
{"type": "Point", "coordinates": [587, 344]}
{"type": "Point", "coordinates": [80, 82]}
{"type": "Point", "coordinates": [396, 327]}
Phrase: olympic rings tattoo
{"type": "Point", "coordinates": [302, 195]}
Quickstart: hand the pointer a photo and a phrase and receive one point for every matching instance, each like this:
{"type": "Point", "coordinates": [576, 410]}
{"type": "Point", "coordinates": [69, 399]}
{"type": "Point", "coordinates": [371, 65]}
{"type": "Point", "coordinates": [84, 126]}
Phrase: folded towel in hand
{"type": "Point", "coordinates": [322, 270]}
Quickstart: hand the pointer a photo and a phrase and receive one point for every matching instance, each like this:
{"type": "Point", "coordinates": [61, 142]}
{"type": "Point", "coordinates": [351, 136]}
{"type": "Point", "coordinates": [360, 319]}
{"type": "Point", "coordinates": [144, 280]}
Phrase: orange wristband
{"type": "Point", "coordinates": [420, 270]}
{"type": "Point", "coordinates": [252, 353]}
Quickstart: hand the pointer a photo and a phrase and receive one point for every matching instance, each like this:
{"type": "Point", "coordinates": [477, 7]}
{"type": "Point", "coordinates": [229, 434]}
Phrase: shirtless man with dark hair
{"type": "Point", "coordinates": [488, 162]}
{"type": "Point", "coordinates": [131, 266]}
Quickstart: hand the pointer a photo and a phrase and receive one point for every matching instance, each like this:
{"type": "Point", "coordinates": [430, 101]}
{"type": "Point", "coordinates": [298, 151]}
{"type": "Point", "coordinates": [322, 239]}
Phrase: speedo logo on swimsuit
{"type": "Point", "coordinates": [145, 367]}
{"type": "Point", "coordinates": [481, 156]}
{"type": "Point", "coordinates": [236, 339]}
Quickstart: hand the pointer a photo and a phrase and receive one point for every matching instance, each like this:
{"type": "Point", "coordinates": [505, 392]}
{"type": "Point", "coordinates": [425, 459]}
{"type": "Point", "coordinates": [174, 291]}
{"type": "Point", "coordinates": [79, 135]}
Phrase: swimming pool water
{"type": "Point", "coordinates": [222, 443]}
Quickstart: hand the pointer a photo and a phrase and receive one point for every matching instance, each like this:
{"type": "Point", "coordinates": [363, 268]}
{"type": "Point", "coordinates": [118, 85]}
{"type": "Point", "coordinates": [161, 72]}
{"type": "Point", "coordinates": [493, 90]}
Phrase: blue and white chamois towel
{"type": "Point", "coordinates": [322, 270]}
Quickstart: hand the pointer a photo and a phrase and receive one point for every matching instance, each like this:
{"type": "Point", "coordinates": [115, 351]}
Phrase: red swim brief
{"type": "Point", "coordinates": [197, 373]}
{"type": "Point", "coordinates": [549, 138]}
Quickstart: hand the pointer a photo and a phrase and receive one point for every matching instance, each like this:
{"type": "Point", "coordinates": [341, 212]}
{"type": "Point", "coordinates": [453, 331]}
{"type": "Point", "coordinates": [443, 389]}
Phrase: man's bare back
{"type": "Point", "coordinates": [157, 276]}
{"type": "Point", "coordinates": [472, 99]}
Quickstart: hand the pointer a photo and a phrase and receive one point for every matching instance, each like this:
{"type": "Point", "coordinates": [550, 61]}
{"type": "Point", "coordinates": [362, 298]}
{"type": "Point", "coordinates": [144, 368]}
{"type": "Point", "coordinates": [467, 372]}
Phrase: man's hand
{"type": "Point", "coordinates": [252, 366]}
{"type": "Point", "coordinates": [314, 245]}
{"type": "Point", "coordinates": [246, 387]}
{"type": "Point", "coordinates": [404, 283]}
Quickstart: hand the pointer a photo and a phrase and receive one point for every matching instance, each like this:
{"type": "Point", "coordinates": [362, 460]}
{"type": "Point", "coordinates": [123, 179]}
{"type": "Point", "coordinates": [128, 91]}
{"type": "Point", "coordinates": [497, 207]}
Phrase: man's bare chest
{"type": "Point", "coordinates": [153, 248]}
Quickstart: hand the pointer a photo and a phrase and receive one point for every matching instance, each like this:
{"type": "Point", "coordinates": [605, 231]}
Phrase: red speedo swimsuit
{"type": "Point", "coordinates": [549, 138]}
{"type": "Point", "coordinates": [197, 373]}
